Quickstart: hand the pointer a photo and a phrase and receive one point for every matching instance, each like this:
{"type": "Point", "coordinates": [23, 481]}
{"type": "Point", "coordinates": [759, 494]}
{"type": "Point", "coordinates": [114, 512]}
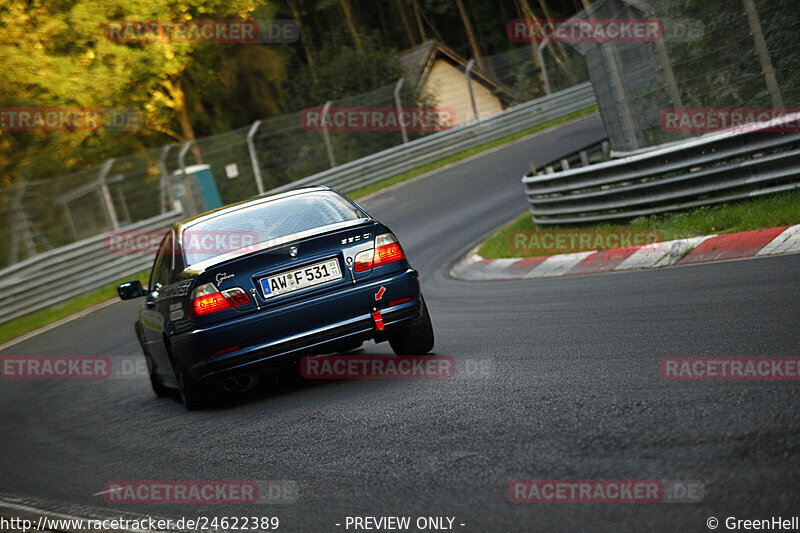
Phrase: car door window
{"type": "Point", "coordinates": [162, 268]}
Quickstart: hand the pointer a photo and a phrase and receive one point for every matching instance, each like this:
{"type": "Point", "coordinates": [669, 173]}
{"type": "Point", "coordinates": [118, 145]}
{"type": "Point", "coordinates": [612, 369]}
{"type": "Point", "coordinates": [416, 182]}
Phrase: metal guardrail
{"type": "Point", "coordinates": [58, 275]}
{"type": "Point", "coordinates": [593, 152]}
{"type": "Point", "coordinates": [715, 168]}
{"type": "Point", "coordinates": [402, 158]}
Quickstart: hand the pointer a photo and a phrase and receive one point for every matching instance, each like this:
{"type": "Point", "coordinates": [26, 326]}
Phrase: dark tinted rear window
{"type": "Point", "coordinates": [264, 222]}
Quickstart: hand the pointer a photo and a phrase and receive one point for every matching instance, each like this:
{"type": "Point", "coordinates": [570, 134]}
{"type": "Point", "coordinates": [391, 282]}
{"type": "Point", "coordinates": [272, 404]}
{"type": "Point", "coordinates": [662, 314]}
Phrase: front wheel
{"type": "Point", "coordinates": [417, 340]}
{"type": "Point", "coordinates": [160, 390]}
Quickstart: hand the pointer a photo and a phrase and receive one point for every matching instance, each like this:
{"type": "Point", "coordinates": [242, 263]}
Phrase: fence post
{"type": "Point", "coordinates": [398, 105]}
{"type": "Point", "coordinates": [326, 135]}
{"type": "Point", "coordinates": [763, 54]}
{"type": "Point", "coordinates": [253, 158]}
{"type": "Point", "coordinates": [105, 195]}
{"type": "Point", "coordinates": [663, 57]}
{"type": "Point", "coordinates": [21, 229]}
{"type": "Point", "coordinates": [188, 190]}
{"type": "Point", "coordinates": [166, 190]}
{"type": "Point", "coordinates": [467, 71]}
{"type": "Point", "coordinates": [610, 56]}
{"type": "Point", "coordinates": [545, 77]}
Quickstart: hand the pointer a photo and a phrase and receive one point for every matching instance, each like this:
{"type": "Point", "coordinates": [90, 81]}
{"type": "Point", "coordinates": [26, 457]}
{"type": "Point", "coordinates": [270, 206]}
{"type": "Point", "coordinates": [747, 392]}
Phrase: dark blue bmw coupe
{"type": "Point", "coordinates": [252, 285]}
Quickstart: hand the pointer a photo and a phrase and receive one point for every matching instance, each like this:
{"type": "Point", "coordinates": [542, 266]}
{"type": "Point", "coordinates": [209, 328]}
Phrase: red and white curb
{"type": "Point", "coordinates": [773, 241]}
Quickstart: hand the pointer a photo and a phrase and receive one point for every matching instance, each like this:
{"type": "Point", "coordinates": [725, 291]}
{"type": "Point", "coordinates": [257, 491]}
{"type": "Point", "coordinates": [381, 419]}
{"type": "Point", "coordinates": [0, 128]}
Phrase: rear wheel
{"type": "Point", "coordinates": [417, 340]}
{"type": "Point", "coordinates": [192, 395]}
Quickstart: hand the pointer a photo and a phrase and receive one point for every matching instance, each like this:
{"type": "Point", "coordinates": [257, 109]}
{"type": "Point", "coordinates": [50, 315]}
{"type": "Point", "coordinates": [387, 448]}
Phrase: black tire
{"type": "Point", "coordinates": [160, 390]}
{"type": "Point", "coordinates": [417, 340]}
{"type": "Point", "coordinates": [193, 396]}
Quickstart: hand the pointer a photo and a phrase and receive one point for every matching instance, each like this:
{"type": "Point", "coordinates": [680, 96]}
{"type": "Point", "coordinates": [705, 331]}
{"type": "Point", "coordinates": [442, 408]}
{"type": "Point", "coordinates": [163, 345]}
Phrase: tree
{"type": "Point", "coordinates": [59, 55]}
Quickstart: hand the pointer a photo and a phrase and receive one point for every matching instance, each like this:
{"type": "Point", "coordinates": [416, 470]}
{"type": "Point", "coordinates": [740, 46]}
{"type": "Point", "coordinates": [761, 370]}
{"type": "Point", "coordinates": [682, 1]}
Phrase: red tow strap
{"type": "Point", "coordinates": [376, 316]}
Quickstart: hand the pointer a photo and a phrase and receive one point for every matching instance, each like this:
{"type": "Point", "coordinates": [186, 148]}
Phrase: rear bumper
{"type": "Point", "coordinates": [317, 325]}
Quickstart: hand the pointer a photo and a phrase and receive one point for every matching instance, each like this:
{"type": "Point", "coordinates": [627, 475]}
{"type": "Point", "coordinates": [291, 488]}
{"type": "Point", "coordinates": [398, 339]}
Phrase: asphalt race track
{"type": "Point", "coordinates": [557, 379]}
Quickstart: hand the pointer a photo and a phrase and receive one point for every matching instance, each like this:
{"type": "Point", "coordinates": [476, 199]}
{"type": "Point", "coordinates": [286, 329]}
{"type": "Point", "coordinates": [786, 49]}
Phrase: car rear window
{"type": "Point", "coordinates": [265, 222]}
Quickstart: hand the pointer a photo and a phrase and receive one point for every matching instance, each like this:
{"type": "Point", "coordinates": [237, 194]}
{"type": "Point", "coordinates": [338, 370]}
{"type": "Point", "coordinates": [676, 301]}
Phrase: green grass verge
{"type": "Point", "coordinates": [38, 319]}
{"type": "Point", "coordinates": [369, 189]}
{"type": "Point", "coordinates": [758, 213]}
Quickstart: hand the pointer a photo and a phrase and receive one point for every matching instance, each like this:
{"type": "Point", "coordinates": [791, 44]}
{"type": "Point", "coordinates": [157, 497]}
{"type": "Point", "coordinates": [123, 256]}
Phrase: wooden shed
{"type": "Point", "coordinates": [437, 71]}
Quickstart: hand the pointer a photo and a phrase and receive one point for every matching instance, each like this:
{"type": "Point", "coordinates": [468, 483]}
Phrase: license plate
{"type": "Point", "coordinates": [301, 278]}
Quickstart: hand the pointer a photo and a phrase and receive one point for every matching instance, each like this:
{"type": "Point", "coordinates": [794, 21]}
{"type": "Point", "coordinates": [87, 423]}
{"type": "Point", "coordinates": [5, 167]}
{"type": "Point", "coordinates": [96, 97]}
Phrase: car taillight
{"type": "Point", "coordinates": [387, 250]}
{"type": "Point", "coordinates": [206, 299]}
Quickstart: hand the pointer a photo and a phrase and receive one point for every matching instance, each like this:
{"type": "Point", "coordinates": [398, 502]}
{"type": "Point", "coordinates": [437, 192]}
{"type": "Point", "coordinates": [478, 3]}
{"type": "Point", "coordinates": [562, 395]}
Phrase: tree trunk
{"type": "Point", "coordinates": [473, 42]}
{"type": "Point", "coordinates": [351, 25]}
{"type": "Point", "coordinates": [432, 27]}
{"type": "Point", "coordinates": [178, 96]}
{"type": "Point", "coordinates": [525, 12]}
{"type": "Point", "coordinates": [420, 25]}
{"type": "Point", "coordinates": [303, 38]}
{"type": "Point", "coordinates": [555, 51]}
{"type": "Point", "coordinates": [410, 34]}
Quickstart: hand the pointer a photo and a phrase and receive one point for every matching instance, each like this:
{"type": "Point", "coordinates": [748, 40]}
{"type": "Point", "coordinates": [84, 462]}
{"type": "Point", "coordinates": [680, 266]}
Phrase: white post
{"type": "Point", "coordinates": [105, 195]}
{"type": "Point", "coordinates": [545, 77]}
{"type": "Point", "coordinates": [253, 158]}
{"type": "Point", "coordinates": [763, 55]}
{"type": "Point", "coordinates": [166, 190]}
{"type": "Point", "coordinates": [187, 185]}
{"type": "Point", "coordinates": [326, 135]}
{"type": "Point", "coordinates": [399, 107]}
{"type": "Point", "coordinates": [467, 72]}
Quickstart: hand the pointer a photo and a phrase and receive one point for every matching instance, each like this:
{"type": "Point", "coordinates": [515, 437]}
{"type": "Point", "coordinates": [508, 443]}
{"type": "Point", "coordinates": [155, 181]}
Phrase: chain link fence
{"type": "Point", "coordinates": [535, 70]}
{"type": "Point", "coordinates": [42, 214]}
{"type": "Point", "coordinates": [713, 55]}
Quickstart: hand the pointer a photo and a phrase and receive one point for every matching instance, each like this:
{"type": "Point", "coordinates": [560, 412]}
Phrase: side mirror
{"type": "Point", "coordinates": [130, 290]}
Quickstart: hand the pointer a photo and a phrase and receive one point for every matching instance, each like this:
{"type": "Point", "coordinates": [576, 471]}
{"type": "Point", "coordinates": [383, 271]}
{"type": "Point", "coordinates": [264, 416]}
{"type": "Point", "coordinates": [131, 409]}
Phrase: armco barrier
{"type": "Point", "coordinates": [715, 168]}
{"type": "Point", "coordinates": [58, 275]}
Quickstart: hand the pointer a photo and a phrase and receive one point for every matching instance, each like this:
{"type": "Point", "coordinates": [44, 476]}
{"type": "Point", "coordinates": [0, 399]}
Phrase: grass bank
{"type": "Point", "coordinates": [757, 213]}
